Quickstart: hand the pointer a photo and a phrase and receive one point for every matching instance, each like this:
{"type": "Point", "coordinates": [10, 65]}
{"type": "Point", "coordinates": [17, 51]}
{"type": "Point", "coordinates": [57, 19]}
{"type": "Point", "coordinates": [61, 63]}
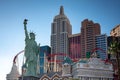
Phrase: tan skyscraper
{"type": "Point", "coordinates": [88, 31]}
{"type": "Point", "coordinates": [115, 31]}
{"type": "Point", "coordinates": [60, 30]}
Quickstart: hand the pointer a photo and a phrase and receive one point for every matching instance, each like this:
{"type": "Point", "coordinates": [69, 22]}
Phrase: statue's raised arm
{"type": "Point", "coordinates": [31, 53]}
{"type": "Point", "coordinates": [25, 28]}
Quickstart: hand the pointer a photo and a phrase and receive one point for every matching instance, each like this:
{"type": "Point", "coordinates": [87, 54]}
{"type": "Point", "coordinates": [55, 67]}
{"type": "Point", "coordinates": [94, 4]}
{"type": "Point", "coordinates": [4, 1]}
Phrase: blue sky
{"type": "Point", "coordinates": [40, 14]}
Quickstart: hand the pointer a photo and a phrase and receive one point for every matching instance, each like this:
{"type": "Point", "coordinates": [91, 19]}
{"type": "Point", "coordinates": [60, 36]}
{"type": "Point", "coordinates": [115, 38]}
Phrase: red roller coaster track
{"type": "Point", "coordinates": [50, 55]}
{"type": "Point", "coordinates": [60, 54]}
{"type": "Point", "coordinates": [95, 49]}
{"type": "Point", "coordinates": [14, 60]}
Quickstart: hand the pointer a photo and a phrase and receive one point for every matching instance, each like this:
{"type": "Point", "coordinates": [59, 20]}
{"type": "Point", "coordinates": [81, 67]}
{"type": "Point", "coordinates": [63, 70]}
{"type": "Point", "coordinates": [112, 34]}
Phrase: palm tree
{"type": "Point", "coordinates": [114, 49]}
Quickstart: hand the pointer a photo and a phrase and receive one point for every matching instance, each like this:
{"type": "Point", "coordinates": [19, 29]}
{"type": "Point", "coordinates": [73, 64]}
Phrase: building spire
{"type": "Point", "coordinates": [61, 10]}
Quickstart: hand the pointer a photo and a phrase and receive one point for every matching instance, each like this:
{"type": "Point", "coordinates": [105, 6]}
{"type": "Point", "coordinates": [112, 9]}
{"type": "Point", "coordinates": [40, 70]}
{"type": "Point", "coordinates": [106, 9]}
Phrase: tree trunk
{"type": "Point", "coordinates": [118, 65]}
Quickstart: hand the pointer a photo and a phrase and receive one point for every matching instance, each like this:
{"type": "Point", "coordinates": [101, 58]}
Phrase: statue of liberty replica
{"type": "Point", "coordinates": [31, 55]}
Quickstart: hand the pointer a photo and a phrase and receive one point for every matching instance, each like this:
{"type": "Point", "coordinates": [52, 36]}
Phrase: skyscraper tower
{"type": "Point", "coordinates": [74, 46]}
{"type": "Point", "coordinates": [101, 42]}
{"type": "Point", "coordinates": [115, 31]}
{"type": "Point", "coordinates": [89, 30]}
{"type": "Point", "coordinates": [60, 30]}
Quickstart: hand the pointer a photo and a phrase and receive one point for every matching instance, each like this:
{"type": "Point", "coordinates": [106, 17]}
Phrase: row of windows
{"type": "Point", "coordinates": [57, 27]}
{"type": "Point", "coordinates": [92, 78]}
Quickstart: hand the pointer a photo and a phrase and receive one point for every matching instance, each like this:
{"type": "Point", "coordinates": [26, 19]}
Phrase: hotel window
{"type": "Point", "coordinates": [63, 26]}
{"type": "Point", "coordinates": [53, 28]}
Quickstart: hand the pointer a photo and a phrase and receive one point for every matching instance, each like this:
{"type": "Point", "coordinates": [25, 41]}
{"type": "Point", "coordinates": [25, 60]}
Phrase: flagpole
{"type": "Point", "coordinates": [22, 67]}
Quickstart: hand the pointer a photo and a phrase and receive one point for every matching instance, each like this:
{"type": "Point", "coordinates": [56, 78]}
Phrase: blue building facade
{"type": "Point", "coordinates": [101, 43]}
{"type": "Point", "coordinates": [43, 55]}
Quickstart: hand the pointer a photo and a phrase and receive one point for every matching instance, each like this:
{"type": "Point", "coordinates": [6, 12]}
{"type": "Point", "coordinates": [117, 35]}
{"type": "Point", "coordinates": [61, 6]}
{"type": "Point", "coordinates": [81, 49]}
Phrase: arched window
{"type": "Point", "coordinates": [45, 79]}
{"type": "Point", "coordinates": [56, 78]}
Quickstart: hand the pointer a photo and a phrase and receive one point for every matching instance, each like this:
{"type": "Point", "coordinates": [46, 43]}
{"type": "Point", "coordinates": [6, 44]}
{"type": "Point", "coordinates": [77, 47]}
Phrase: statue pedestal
{"type": "Point", "coordinates": [28, 78]}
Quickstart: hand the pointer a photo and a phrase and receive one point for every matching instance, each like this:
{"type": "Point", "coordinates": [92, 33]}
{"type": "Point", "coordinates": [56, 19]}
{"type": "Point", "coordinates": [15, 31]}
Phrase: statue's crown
{"type": "Point", "coordinates": [32, 33]}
